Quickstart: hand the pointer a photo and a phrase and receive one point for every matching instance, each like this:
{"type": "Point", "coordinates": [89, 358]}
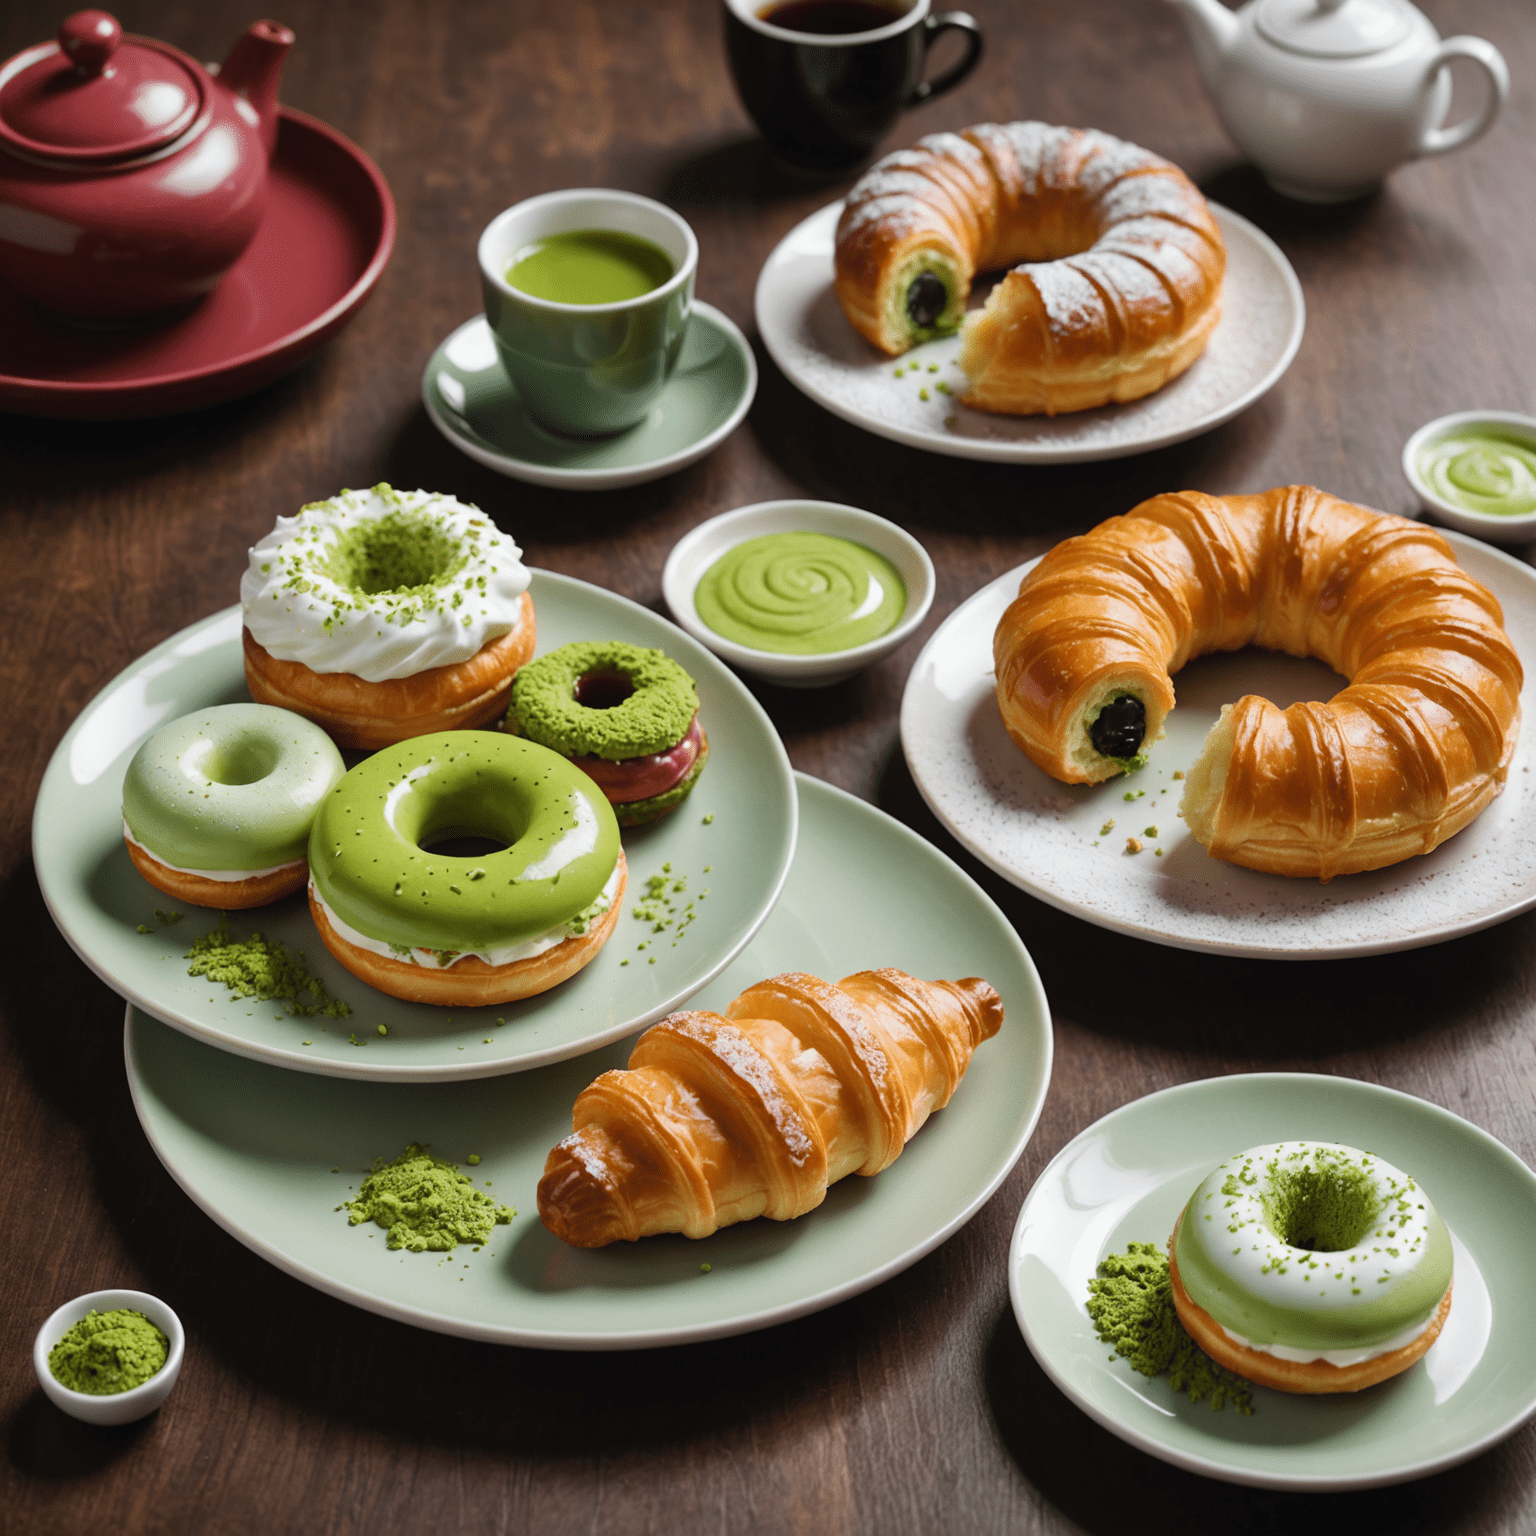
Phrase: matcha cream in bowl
{"type": "Point", "coordinates": [799, 593]}
{"type": "Point", "coordinates": [1476, 471]}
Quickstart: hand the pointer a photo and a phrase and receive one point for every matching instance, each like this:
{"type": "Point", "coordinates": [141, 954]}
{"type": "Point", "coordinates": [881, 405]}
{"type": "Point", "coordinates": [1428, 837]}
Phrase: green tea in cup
{"type": "Point", "coordinates": [589, 266]}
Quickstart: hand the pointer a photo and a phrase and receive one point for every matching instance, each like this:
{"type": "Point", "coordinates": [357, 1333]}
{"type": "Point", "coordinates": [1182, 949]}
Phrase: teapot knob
{"type": "Point", "coordinates": [89, 39]}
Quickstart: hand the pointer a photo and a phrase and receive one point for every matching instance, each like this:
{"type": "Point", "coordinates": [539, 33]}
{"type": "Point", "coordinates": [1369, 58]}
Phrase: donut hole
{"type": "Point", "coordinates": [464, 845]}
{"type": "Point", "coordinates": [239, 759]}
{"type": "Point", "coordinates": [1322, 1210]}
{"type": "Point", "coordinates": [603, 690]}
{"type": "Point", "coordinates": [394, 554]}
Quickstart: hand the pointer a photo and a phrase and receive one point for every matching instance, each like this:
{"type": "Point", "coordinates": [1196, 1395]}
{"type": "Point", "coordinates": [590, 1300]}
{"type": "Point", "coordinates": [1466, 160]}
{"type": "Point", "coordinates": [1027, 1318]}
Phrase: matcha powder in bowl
{"type": "Point", "coordinates": [425, 1204]}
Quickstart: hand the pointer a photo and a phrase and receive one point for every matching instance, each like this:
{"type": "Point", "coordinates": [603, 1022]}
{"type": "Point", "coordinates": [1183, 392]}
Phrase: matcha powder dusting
{"type": "Point", "coordinates": [263, 969]}
{"type": "Point", "coordinates": [1131, 1306]}
{"type": "Point", "coordinates": [108, 1352]}
{"type": "Point", "coordinates": [425, 1204]}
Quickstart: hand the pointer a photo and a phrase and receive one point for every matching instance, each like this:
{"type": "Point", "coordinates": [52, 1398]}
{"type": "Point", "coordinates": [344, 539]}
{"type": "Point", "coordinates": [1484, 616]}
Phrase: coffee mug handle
{"type": "Point", "coordinates": [948, 21]}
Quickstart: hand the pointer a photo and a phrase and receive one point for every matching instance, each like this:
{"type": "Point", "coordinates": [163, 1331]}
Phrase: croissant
{"type": "Point", "coordinates": [1121, 286]}
{"type": "Point", "coordinates": [1405, 756]}
{"type": "Point", "coordinates": [721, 1118]}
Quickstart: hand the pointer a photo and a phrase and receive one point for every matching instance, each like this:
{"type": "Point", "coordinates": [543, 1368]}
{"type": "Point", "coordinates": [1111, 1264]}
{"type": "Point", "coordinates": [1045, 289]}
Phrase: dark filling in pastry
{"type": "Point", "coordinates": [926, 298]}
{"type": "Point", "coordinates": [1121, 725]}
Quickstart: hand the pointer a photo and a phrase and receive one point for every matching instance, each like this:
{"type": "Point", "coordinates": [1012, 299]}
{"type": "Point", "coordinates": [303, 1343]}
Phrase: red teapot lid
{"type": "Point", "coordinates": [96, 96]}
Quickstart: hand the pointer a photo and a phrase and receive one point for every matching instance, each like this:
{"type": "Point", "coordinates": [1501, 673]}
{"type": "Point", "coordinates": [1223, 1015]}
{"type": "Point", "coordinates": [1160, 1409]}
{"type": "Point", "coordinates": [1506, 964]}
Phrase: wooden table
{"type": "Point", "coordinates": [916, 1407]}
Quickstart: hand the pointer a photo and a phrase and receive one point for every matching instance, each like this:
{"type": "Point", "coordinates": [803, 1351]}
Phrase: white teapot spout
{"type": "Point", "coordinates": [1213, 30]}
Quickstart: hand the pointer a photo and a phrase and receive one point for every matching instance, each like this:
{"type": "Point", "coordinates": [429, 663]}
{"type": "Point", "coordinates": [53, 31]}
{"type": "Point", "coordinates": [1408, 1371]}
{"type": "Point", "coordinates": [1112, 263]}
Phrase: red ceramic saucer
{"type": "Point", "coordinates": [328, 231]}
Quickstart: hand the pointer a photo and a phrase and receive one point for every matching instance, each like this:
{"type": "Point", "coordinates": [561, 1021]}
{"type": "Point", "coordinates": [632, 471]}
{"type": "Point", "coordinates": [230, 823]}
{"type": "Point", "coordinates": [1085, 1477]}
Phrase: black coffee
{"type": "Point", "coordinates": [830, 18]}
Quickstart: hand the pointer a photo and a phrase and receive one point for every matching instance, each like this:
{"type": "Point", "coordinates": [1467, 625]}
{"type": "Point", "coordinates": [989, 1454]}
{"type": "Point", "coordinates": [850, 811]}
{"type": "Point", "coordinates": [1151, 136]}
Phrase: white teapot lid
{"type": "Point", "coordinates": [1335, 29]}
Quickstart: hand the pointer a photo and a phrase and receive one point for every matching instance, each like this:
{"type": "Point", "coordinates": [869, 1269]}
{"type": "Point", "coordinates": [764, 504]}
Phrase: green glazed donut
{"type": "Point", "coordinates": [229, 792]}
{"type": "Point", "coordinates": [377, 882]}
{"type": "Point", "coordinates": [626, 714]}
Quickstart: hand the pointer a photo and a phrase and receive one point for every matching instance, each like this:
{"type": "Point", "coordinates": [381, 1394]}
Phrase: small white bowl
{"type": "Point", "coordinates": [116, 1407]}
{"type": "Point", "coordinates": [1481, 525]}
{"type": "Point", "coordinates": [695, 552]}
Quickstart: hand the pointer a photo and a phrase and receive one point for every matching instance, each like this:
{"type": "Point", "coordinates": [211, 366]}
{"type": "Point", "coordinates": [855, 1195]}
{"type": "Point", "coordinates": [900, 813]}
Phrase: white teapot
{"type": "Point", "coordinates": [1327, 96]}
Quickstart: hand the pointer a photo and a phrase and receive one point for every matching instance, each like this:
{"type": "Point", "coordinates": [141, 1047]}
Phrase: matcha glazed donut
{"type": "Point", "coordinates": [626, 715]}
{"type": "Point", "coordinates": [434, 927]}
{"type": "Point", "coordinates": [217, 806]}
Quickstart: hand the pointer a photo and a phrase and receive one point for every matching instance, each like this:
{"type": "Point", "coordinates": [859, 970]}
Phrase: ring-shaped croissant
{"type": "Point", "coordinates": [1404, 757]}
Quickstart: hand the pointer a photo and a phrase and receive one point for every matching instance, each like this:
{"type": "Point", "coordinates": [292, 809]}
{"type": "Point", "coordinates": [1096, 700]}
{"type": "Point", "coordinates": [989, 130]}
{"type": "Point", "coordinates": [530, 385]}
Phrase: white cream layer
{"type": "Point", "coordinates": [297, 611]}
{"type": "Point", "coordinates": [1339, 1357]}
{"type": "Point", "coordinates": [229, 875]}
{"type": "Point", "coordinates": [508, 954]}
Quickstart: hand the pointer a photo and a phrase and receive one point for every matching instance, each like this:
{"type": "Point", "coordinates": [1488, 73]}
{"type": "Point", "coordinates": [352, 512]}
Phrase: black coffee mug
{"type": "Point", "coordinates": [824, 101]}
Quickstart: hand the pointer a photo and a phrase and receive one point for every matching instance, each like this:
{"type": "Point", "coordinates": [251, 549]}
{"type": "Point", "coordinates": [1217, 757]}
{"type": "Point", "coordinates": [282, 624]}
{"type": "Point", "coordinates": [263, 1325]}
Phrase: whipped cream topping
{"type": "Point", "coordinates": [1339, 1357]}
{"type": "Point", "coordinates": [230, 876]}
{"type": "Point", "coordinates": [383, 584]}
{"type": "Point", "coordinates": [506, 954]}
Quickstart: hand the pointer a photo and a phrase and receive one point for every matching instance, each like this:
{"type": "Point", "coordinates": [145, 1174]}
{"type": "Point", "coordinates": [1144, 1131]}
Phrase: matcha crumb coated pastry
{"type": "Point", "coordinates": [218, 805]}
{"type": "Point", "coordinates": [386, 614]}
{"type": "Point", "coordinates": [1310, 1267]}
{"type": "Point", "coordinates": [626, 715]}
{"type": "Point", "coordinates": [434, 927]}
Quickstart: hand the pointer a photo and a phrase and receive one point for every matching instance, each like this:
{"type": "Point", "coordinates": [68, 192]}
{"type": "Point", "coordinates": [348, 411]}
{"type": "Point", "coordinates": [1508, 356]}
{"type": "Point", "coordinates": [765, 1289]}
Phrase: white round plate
{"type": "Point", "coordinates": [255, 1147]}
{"type": "Point", "coordinates": [111, 915]}
{"type": "Point", "coordinates": [1126, 1178]}
{"type": "Point", "coordinates": [809, 337]}
{"type": "Point", "coordinates": [473, 403]}
{"type": "Point", "coordinates": [1054, 840]}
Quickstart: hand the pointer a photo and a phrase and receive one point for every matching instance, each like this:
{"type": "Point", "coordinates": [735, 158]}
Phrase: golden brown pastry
{"type": "Point", "coordinates": [1405, 756]}
{"type": "Point", "coordinates": [754, 1113]}
{"type": "Point", "coordinates": [1309, 1377]}
{"type": "Point", "coordinates": [1123, 263]}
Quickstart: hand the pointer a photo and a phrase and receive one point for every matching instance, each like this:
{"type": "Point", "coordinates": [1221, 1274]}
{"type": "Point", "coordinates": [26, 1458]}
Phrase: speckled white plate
{"type": "Point", "coordinates": [1050, 839]}
{"type": "Point", "coordinates": [268, 1154]}
{"type": "Point", "coordinates": [1126, 1178]}
{"type": "Point", "coordinates": [809, 337]}
{"type": "Point", "coordinates": [108, 912]}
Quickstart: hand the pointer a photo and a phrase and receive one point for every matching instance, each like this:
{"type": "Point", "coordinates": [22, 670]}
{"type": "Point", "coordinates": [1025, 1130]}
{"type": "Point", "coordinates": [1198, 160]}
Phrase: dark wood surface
{"type": "Point", "coordinates": [916, 1407]}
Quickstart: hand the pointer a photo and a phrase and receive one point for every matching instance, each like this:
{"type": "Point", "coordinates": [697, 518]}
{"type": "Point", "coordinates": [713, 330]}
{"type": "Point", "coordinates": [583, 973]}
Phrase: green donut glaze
{"type": "Point", "coordinates": [1313, 1246]}
{"type": "Point", "coordinates": [230, 788]}
{"type": "Point", "coordinates": [369, 867]}
{"type": "Point", "coordinates": [655, 717]}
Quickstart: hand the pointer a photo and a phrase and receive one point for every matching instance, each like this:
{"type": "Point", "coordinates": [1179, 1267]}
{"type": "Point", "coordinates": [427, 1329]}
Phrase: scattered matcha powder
{"type": "Point", "coordinates": [666, 905]}
{"type": "Point", "coordinates": [255, 968]}
{"type": "Point", "coordinates": [1131, 1307]}
{"type": "Point", "coordinates": [108, 1352]}
{"type": "Point", "coordinates": [704, 1269]}
{"type": "Point", "coordinates": [709, 818]}
{"type": "Point", "coordinates": [425, 1204]}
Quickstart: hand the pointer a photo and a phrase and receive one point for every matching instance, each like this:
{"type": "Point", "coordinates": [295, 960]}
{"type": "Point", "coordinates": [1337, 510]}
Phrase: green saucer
{"type": "Point", "coordinates": [476, 407]}
{"type": "Point", "coordinates": [1127, 1177]}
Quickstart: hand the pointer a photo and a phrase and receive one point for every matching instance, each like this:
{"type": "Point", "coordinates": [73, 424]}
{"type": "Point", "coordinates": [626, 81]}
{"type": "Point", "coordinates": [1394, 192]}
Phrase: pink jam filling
{"type": "Point", "coordinates": [642, 778]}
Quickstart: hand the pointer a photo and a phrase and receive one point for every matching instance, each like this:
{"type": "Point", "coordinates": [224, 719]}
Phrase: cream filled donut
{"type": "Point", "coordinates": [386, 614]}
{"type": "Point", "coordinates": [218, 805]}
{"type": "Point", "coordinates": [1310, 1267]}
{"type": "Point", "coordinates": [434, 926]}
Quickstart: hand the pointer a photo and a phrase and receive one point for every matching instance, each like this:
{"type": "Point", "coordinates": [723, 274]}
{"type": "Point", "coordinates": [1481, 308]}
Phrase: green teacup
{"type": "Point", "coordinates": [588, 369]}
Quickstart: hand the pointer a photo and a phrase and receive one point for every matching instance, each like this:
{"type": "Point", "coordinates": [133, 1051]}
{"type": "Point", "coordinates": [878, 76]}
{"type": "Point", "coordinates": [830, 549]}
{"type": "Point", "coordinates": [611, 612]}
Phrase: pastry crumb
{"type": "Point", "coordinates": [1178, 773]}
{"type": "Point", "coordinates": [1107, 828]}
{"type": "Point", "coordinates": [1132, 845]}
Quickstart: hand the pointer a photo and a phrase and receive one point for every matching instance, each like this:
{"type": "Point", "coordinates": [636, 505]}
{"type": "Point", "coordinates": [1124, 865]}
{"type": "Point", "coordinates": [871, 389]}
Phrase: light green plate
{"type": "Point", "coordinates": [99, 900]}
{"type": "Point", "coordinates": [476, 407]}
{"type": "Point", "coordinates": [254, 1147]}
{"type": "Point", "coordinates": [1126, 1179]}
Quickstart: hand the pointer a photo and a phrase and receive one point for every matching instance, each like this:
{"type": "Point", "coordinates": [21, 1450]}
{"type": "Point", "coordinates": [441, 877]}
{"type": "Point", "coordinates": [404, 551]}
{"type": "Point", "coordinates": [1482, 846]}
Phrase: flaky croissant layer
{"type": "Point", "coordinates": [1117, 263]}
{"type": "Point", "coordinates": [754, 1112]}
{"type": "Point", "coordinates": [1405, 756]}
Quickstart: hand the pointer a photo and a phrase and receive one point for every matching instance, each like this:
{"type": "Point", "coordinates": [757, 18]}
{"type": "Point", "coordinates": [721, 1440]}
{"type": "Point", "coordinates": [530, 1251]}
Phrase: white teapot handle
{"type": "Point", "coordinates": [1437, 141]}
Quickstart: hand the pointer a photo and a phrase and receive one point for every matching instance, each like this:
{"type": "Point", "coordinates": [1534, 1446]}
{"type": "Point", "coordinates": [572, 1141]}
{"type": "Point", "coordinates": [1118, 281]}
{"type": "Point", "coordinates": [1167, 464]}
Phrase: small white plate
{"type": "Point", "coordinates": [695, 552]}
{"type": "Point", "coordinates": [476, 407]}
{"type": "Point", "coordinates": [1126, 1178]}
{"type": "Point", "coordinates": [809, 337]}
{"type": "Point", "coordinates": [1048, 838]}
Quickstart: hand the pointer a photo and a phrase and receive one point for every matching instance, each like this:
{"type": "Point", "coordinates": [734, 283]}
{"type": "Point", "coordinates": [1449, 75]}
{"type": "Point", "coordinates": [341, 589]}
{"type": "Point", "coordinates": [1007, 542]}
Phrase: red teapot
{"type": "Point", "coordinates": [131, 177]}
